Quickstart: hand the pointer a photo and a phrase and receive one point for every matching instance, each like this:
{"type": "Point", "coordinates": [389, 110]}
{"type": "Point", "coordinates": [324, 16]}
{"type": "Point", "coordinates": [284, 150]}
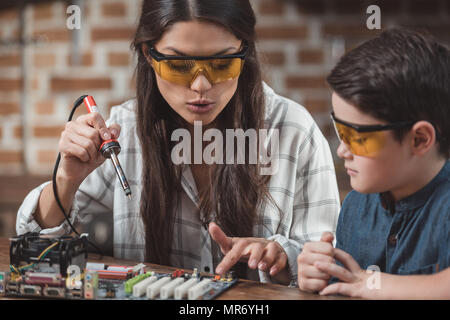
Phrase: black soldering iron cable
{"type": "Point", "coordinates": [77, 103]}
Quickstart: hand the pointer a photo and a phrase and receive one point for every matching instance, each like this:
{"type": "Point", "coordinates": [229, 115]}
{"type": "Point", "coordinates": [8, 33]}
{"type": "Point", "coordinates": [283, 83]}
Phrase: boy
{"type": "Point", "coordinates": [391, 103]}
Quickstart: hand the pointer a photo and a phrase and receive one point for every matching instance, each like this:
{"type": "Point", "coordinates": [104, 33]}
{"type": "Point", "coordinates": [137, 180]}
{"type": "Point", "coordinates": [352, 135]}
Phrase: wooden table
{"type": "Point", "coordinates": [243, 290]}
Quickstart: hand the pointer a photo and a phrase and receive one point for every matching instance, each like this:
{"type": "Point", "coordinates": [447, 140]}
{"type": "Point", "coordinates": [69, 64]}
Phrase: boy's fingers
{"type": "Point", "coordinates": [335, 271]}
{"type": "Point", "coordinates": [347, 260]}
{"type": "Point", "coordinates": [310, 258]}
{"type": "Point", "coordinates": [313, 273]}
{"type": "Point", "coordinates": [312, 285]}
{"type": "Point", "coordinates": [327, 237]}
{"type": "Point", "coordinates": [319, 247]}
{"type": "Point", "coordinates": [337, 288]}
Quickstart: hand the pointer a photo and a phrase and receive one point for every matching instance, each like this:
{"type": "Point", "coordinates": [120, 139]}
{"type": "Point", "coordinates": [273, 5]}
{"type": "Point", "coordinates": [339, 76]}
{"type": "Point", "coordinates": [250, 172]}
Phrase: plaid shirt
{"type": "Point", "coordinates": [304, 188]}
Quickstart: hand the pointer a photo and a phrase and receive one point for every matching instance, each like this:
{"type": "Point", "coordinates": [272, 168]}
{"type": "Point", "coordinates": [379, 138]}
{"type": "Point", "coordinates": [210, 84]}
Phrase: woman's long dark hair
{"type": "Point", "coordinates": [236, 191]}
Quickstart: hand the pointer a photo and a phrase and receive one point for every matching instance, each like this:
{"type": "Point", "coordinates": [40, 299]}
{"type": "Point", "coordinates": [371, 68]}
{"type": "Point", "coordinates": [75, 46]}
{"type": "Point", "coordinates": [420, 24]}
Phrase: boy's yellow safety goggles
{"type": "Point", "coordinates": [184, 69]}
{"type": "Point", "coordinates": [363, 140]}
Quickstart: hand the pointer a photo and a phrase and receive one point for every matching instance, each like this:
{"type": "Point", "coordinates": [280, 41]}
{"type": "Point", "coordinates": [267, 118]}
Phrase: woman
{"type": "Point", "coordinates": [197, 214]}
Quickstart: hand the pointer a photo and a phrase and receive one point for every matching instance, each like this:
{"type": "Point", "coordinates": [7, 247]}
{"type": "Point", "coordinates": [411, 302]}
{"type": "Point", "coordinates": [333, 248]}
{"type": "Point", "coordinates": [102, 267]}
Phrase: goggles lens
{"type": "Point", "coordinates": [184, 72]}
{"type": "Point", "coordinates": [367, 140]}
{"type": "Point", "coordinates": [184, 69]}
{"type": "Point", "coordinates": [360, 143]}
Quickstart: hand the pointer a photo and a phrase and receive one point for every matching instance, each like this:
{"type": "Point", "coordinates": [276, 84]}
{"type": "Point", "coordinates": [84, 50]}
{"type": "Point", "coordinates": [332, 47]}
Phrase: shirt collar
{"type": "Point", "coordinates": [419, 198]}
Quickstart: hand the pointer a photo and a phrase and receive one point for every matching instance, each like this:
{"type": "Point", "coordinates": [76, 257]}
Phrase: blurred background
{"type": "Point", "coordinates": [45, 66]}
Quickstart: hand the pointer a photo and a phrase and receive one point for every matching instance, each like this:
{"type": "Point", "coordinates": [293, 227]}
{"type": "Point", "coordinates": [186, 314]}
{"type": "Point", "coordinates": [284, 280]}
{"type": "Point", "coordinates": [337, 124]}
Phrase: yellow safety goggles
{"type": "Point", "coordinates": [365, 140]}
{"type": "Point", "coordinates": [184, 69]}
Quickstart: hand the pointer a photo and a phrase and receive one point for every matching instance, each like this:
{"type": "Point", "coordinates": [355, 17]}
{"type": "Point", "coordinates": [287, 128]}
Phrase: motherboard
{"type": "Point", "coordinates": [57, 267]}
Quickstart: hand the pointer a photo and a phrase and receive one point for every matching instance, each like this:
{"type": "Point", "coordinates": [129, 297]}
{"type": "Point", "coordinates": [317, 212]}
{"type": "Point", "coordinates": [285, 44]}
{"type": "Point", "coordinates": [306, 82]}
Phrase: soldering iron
{"type": "Point", "coordinates": [109, 149]}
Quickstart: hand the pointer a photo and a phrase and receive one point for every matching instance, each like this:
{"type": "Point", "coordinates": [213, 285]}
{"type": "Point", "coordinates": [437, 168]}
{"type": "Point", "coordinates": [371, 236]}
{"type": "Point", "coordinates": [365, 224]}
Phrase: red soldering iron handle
{"type": "Point", "coordinates": [90, 104]}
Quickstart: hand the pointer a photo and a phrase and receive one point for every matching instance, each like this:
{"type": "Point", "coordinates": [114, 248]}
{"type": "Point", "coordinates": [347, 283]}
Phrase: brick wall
{"type": "Point", "coordinates": [34, 106]}
{"type": "Point", "coordinates": [299, 42]}
{"type": "Point", "coordinates": [33, 122]}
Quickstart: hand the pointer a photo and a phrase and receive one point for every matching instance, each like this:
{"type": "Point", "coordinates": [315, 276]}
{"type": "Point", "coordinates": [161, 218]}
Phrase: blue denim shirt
{"type": "Point", "coordinates": [413, 237]}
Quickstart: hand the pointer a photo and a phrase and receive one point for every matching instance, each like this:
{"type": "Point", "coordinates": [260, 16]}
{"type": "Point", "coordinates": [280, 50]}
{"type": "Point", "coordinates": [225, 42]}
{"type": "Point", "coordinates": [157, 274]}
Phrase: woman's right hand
{"type": "Point", "coordinates": [79, 146]}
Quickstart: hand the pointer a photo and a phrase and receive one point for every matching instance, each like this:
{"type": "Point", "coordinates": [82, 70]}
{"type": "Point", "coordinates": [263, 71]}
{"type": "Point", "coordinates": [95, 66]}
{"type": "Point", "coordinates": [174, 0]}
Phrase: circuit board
{"type": "Point", "coordinates": [165, 286]}
{"type": "Point", "coordinates": [42, 267]}
{"type": "Point", "coordinates": [110, 285]}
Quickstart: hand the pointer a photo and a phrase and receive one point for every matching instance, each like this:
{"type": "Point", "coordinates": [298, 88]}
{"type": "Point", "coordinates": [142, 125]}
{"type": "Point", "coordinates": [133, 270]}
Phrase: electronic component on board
{"type": "Point", "coordinates": [177, 273]}
{"type": "Point", "coordinates": [130, 283]}
{"type": "Point", "coordinates": [30, 290]}
{"type": "Point", "coordinates": [44, 279]}
{"type": "Point", "coordinates": [90, 284]}
{"type": "Point", "coordinates": [181, 291]}
{"type": "Point", "coordinates": [196, 291]}
{"type": "Point", "coordinates": [53, 292]}
{"type": "Point", "coordinates": [154, 289]}
{"type": "Point", "coordinates": [110, 290]}
{"type": "Point", "coordinates": [139, 269]}
{"type": "Point", "coordinates": [13, 283]}
{"type": "Point", "coordinates": [50, 254]}
{"type": "Point", "coordinates": [111, 272]}
{"type": "Point", "coordinates": [230, 276]}
{"type": "Point", "coordinates": [168, 289]}
{"type": "Point", "coordinates": [140, 288]}
{"type": "Point", "coordinates": [2, 283]}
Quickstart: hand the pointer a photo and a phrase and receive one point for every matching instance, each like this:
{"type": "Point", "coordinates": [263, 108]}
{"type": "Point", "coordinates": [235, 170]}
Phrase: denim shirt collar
{"type": "Point", "coordinates": [419, 198]}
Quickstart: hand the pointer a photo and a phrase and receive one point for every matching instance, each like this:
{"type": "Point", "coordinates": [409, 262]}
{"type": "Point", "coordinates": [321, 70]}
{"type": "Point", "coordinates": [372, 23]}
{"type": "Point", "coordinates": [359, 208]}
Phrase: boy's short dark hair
{"type": "Point", "coordinates": [401, 75]}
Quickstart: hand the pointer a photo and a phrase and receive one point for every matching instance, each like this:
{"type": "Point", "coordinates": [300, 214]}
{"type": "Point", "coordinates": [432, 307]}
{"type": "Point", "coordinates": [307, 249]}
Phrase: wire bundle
{"type": "Point", "coordinates": [39, 258]}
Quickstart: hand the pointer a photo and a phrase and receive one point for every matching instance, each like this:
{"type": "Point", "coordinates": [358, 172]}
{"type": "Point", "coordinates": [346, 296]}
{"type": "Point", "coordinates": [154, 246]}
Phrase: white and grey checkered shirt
{"type": "Point", "coordinates": [304, 188]}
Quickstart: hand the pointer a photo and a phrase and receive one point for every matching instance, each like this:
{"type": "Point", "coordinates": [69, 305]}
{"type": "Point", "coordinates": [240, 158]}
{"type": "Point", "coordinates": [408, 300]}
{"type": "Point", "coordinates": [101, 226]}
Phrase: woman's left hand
{"type": "Point", "coordinates": [266, 255]}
